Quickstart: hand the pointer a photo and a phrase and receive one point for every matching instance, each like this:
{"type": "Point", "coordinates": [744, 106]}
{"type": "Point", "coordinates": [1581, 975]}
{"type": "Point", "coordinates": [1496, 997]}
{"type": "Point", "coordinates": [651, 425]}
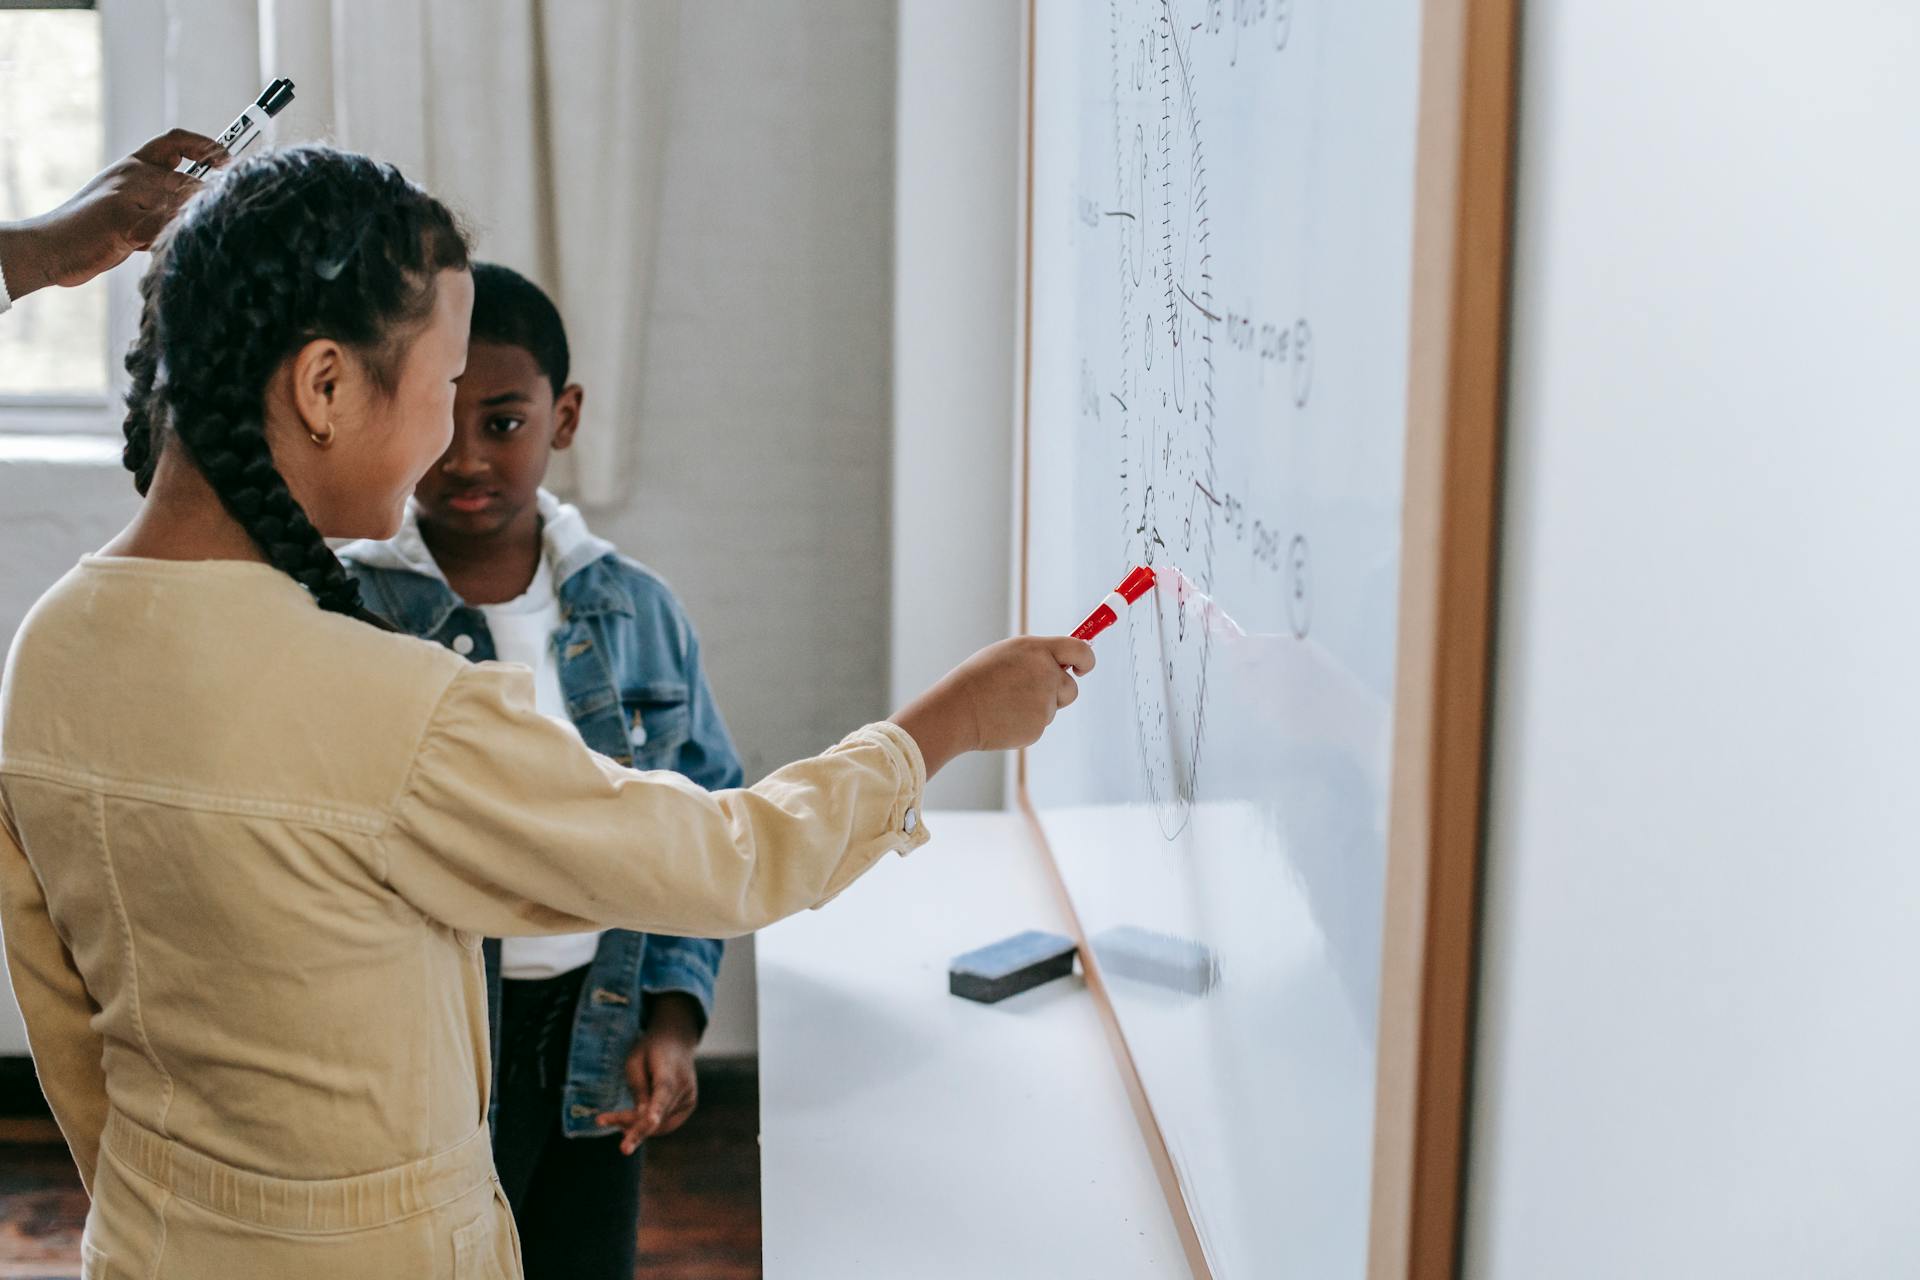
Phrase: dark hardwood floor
{"type": "Point", "coordinates": [701, 1216]}
{"type": "Point", "coordinates": [41, 1206]}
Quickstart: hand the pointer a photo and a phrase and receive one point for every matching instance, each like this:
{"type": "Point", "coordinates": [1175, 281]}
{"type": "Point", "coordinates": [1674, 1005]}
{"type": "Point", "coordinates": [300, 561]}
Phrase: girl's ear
{"type": "Point", "coordinates": [318, 369]}
{"type": "Point", "coordinates": [566, 415]}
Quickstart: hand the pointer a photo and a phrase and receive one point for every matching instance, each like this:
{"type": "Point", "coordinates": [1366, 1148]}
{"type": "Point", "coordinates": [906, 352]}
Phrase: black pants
{"type": "Point", "coordinates": [576, 1200]}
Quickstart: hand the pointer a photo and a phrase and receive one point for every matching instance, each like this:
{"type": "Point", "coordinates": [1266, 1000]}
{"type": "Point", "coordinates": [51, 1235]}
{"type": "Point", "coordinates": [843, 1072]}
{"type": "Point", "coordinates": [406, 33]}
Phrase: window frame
{"type": "Point", "coordinates": [133, 97]}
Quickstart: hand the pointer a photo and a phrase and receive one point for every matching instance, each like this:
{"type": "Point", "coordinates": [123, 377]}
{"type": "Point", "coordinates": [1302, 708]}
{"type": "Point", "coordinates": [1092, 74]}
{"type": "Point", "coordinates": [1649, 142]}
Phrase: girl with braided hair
{"type": "Point", "coordinates": [250, 840]}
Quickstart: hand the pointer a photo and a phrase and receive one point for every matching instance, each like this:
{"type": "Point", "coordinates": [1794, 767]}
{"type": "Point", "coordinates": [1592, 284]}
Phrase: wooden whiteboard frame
{"type": "Point", "coordinates": [1455, 390]}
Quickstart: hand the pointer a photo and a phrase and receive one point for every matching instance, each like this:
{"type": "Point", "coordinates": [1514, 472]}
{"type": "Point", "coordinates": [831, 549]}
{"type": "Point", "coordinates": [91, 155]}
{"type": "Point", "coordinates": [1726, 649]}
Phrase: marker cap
{"type": "Point", "coordinates": [274, 98]}
{"type": "Point", "coordinates": [1136, 584]}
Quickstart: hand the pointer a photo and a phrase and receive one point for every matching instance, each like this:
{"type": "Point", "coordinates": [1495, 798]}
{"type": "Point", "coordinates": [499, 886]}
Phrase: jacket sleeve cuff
{"type": "Point", "coordinates": [907, 818]}
{"type": "Point", "coordinates": [686, 966]}
{"type": "Point", "coordinates": [905, 830]}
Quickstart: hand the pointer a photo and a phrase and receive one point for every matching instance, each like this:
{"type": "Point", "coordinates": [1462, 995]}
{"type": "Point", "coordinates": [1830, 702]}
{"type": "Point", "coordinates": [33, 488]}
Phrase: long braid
{"type": "Point", "coordinates": [232, 452]}
{"type": "Point", "coordinates": [223, 431]}
{"type": "Point", "coordinates": [292, 246]}
{"type": "Point", "coordinates": [143, 364]}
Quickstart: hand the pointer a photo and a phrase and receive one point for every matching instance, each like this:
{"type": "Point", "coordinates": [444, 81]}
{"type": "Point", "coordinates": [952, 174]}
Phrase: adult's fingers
{"type": "Point", "coordinates": [175, 145]}
{"type": "Point", "coordinates": [147, 216]}
{"type": "Point", "coordinates": [151, 187]}
{"type": "Point", "coordinates": [151, 201]}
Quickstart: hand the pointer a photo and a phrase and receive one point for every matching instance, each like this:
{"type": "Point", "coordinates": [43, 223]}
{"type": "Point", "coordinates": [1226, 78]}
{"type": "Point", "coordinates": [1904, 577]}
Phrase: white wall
{"type": "Point", "coordinates": [1698, 1028]}
{"type": "Point", "coordinates": [957, 226]}
{"type": "Point", "coordinates": [761, 472]}
{"type": "Point", "coordinates": [761, 468]}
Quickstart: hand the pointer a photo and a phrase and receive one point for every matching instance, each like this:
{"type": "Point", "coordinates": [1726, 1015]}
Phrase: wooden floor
{"type": "Point", "coordinates": [701, 1219]}
{"type": "Point", "coordinates": [700, 1208]}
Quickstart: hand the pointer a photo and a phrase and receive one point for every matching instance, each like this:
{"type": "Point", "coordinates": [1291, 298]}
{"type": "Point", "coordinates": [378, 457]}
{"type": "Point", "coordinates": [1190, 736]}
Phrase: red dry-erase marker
{"type": "Point", "coordinates": [1131, 588]}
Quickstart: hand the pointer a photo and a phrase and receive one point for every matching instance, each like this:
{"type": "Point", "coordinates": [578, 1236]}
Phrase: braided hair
{"type": "Point", "coordinates": [287, 247]}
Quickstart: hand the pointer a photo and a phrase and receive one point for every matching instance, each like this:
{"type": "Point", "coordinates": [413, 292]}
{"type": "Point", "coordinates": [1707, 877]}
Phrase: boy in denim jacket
{"type": "Point", "coordinates": [593, 1034]}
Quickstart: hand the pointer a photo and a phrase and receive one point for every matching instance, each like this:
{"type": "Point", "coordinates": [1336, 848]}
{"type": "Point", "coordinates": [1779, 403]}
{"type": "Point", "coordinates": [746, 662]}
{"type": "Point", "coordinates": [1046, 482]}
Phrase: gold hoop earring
{"type": "Point", "coordinates": [323, 441]}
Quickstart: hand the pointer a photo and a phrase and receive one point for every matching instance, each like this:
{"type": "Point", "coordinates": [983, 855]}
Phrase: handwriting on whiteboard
{"type": "Point", "coordinates": [1251, 25]}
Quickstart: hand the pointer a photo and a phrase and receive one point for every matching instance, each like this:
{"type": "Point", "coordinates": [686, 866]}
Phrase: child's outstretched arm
{"type": "Point", "coordinates": [494, 780]}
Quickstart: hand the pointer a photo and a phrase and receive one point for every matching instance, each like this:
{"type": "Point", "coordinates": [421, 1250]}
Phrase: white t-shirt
{"type": "Point", "coordinates": [523, 631]}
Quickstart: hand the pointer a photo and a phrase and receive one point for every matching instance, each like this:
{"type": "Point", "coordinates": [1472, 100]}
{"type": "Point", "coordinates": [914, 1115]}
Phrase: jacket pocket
{"type": "Point", "coordinates": [94, 1264]}
{"type": "Point", "coordinates": [476, 1249]}
{"type": "Point", "coordinates": [658, 722]}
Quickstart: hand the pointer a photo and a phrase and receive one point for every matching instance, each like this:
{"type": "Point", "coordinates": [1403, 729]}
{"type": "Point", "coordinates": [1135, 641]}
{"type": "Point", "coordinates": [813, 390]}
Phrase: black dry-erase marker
{"type": "Point", "coordinates": [255, 123]}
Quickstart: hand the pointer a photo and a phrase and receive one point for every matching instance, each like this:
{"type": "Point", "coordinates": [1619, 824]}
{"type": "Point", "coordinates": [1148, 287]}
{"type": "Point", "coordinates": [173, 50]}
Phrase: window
{"type": "Point", "coordinates": [54, 345]}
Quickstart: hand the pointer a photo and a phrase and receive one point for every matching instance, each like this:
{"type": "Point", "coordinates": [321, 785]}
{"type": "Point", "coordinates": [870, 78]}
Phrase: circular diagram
{"type": "Point", "coordinates": [1169, 495]}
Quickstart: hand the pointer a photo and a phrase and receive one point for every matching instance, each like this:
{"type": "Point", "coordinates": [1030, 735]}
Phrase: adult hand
{"type": "Point", "coordinates": [122, 210]}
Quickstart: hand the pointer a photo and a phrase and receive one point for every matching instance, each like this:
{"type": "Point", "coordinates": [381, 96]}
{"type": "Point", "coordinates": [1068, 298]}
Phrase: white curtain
{"type": "Point", "coordinates": [542, 122]}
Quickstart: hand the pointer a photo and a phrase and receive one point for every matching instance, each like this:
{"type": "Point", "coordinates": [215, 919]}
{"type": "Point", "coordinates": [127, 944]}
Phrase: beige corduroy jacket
{"type": "Point", "coordinates": [248, 850]}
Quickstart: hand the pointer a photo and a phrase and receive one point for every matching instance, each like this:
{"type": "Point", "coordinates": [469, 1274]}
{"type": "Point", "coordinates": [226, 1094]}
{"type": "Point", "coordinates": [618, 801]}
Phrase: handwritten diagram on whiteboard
{"type": "Point", "coordinates": [1222, 240]}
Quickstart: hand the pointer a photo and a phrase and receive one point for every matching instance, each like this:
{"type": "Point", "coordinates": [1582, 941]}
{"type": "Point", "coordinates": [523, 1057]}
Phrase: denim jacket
{"type": "Point", "coordinates": [630, 672]}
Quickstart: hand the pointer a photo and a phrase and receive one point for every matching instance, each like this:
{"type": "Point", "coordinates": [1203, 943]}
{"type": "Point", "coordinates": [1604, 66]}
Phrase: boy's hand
{"type": "Point", "coordinates": [660, 1073]}
{"type": "Point", "coordinates": [1002, 697]}
{"type": "Point", "coordinates": [123, 209]}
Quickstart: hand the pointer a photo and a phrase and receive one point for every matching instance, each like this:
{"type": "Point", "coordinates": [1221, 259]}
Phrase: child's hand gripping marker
{"type": "Point", "coordinates": [1131, 588]}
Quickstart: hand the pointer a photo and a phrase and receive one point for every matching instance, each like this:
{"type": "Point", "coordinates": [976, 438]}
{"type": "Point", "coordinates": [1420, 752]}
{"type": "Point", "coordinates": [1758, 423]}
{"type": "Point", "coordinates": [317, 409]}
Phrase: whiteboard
{"type": "Point", "coordinates": [1222, 211]}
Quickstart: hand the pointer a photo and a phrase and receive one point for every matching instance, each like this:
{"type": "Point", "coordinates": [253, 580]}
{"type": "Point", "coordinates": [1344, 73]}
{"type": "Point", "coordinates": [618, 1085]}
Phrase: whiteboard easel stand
{"type": "Point", "coordinates": [1455, 397]}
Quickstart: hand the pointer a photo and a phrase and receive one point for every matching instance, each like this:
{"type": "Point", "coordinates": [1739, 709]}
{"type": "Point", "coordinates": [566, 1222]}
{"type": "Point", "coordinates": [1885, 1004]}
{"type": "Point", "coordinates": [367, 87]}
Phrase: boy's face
{"type": "Point", "coordinates": [507, 423]}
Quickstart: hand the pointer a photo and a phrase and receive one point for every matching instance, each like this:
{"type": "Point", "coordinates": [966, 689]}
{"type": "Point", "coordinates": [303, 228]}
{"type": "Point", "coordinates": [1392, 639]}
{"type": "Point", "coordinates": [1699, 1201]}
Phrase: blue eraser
{"type": "Point", "coordinates": [1010, 966]}
{"type": "Point", "coordinates": [1158, 959]}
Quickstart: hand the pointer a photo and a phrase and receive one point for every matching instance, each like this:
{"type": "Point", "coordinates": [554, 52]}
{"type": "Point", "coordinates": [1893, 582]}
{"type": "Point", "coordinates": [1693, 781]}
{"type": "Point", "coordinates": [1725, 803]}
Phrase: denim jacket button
{"type": "Point", "coordinates": [579, 1112]}
{"type": "Point", "coordinates": [463, 645]}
